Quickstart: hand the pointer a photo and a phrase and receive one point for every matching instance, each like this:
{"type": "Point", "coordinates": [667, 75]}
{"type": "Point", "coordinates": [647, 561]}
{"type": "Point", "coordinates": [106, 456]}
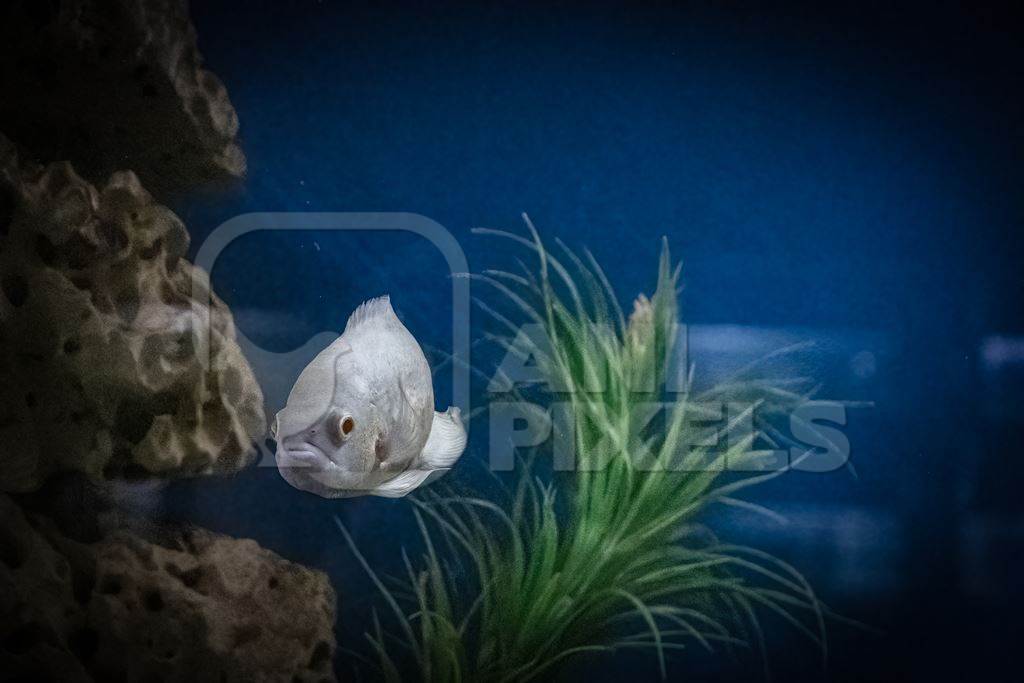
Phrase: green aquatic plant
{"type": "Point", "coordinates": [611, 556]}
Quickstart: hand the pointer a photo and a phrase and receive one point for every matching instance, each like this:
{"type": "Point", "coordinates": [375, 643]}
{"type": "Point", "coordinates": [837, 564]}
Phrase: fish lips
{"type": "Point", "coordinates": [304, 455]}
{"type": "Point", "coordinates": [307, 468]}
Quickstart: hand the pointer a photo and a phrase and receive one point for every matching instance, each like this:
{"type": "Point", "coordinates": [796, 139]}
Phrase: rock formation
{"type": "Point", "coordinates": [98, 370]}
{"type": "Point", "coordinates": [203, 607]}
{"type": "Point", "coordinates": [114, 84]}
{"type": "Point", "coordinates": [101, 378]}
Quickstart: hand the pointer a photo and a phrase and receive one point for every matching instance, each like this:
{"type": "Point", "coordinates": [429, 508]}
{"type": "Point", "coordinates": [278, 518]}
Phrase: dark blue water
{"type": "Point", "coordinates": [850, 177]}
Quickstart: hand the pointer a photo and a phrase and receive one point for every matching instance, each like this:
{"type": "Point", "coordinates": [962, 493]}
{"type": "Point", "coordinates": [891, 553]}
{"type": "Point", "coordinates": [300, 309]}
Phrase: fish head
{"type": "Point", "coordinates": [328, 431]}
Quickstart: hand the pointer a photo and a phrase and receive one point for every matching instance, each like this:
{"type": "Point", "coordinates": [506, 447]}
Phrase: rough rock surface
{"type": "Point", "coordinates": [113, 84]}
{"type": "Point", "coordinates": [204, 608]}
{"type": "Point", "coordinates": [98, 369]}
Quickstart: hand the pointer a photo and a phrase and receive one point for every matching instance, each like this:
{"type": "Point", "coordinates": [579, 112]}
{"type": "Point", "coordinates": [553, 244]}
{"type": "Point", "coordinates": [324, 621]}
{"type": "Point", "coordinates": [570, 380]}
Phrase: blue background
{"type": "Point", "coordinates": [846, 175]}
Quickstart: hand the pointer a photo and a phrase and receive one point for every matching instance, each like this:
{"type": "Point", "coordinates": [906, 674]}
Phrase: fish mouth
{"type": "Point", "coordinates": [303, 465]}
{"type": "Point", "coordinates": [304, 455]}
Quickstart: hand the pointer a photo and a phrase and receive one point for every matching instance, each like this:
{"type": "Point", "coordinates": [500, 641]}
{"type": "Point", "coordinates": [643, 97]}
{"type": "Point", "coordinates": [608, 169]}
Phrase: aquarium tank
{"type": "Point", "coordinates": [499, 342]}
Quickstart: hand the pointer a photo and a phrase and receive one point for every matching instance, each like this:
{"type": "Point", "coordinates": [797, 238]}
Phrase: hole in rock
{"type": "Point", "coordinates": [15, 288]}
{"type": "Point", "coordinates": [84, 643]}
{"type": "Point", "coordinates": [154, 601]}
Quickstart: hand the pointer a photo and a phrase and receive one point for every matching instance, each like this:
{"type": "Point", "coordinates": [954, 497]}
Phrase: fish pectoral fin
{"type": "Point", "coordinates": [446, 442]}
{"type": "Point", "coordinates": [404, 483]}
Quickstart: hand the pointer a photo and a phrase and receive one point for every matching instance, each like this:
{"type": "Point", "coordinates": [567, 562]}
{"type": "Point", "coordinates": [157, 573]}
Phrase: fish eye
{"type": "Point", "coordinates": [339, 427]}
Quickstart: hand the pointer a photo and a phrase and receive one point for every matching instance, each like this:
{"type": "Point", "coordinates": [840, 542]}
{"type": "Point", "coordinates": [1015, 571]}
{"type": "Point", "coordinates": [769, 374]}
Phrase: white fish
{"type": "Point", "coordinates": [360, 419]}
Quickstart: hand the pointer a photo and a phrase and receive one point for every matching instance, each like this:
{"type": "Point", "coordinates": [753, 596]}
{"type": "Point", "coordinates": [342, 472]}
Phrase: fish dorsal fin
{"type": "Point", "coordinates": [378, 309]}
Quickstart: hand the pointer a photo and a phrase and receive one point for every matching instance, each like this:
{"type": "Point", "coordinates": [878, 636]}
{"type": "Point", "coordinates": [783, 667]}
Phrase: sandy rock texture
{"type": "Point", "coordinates": [99, 372]}
{"type": "Point", "coordinates": [113, 84]}
{"type": "Point", "coordinates": [199, 607]}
